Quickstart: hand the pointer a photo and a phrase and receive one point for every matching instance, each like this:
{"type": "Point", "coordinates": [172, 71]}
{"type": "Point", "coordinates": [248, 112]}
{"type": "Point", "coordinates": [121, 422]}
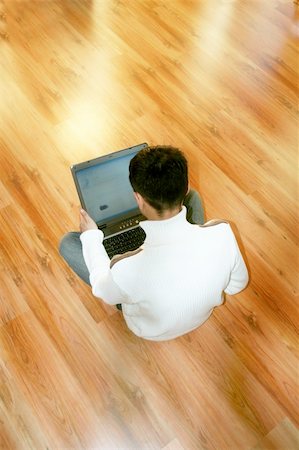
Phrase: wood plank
{"type": "Point", "coordinates": [284, 435]}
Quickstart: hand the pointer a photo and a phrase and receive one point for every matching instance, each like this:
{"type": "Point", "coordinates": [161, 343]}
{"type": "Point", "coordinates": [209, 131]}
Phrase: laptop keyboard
{"type": "Point", "coordinates": [124, 242]}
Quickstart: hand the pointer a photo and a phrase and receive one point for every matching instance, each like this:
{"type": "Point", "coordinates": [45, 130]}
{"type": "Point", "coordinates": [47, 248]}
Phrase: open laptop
{"type": "Point", "coordinates": [105, 192]}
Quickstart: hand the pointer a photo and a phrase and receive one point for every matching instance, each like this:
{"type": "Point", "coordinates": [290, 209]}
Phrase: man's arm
{"type": "Point", "coordinates": [239, 274]}
{"type": "Point", "coordinates": [98, 263]}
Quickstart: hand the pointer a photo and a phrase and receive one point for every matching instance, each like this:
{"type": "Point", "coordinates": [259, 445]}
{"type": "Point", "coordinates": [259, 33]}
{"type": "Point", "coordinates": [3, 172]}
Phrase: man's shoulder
{"type": "Point", "coordinates": [215, 229]}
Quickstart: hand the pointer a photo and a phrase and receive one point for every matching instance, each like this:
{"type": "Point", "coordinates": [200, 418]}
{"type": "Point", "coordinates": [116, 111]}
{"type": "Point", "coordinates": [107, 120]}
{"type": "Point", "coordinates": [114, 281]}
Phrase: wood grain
{"type": "Point", "coordinates": [78, 79]}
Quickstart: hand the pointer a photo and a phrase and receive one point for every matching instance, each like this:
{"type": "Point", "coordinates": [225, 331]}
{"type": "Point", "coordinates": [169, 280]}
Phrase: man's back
{"type": "Point", "coordinates": [176, 279]}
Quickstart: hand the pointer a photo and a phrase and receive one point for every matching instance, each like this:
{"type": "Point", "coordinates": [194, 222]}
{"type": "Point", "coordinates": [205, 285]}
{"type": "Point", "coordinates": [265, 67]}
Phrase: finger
{"type": "Point", "coordinates": [83, 217]}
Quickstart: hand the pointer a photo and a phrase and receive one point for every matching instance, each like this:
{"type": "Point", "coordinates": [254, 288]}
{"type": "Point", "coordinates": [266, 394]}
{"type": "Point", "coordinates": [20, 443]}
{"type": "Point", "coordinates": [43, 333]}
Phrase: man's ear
{"type": "Point", "coordinates": [138, 198]}
{"type": "Point", "coordinates": [136, 195]}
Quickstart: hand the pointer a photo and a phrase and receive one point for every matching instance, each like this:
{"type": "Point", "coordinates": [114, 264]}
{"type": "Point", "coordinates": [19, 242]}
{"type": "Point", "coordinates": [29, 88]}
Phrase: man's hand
{"type": "Point", "coordinates": [86, 222]}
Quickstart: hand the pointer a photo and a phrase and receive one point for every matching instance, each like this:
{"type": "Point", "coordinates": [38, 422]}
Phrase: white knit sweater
{"type": "Point", "coordinates": [172, 284]}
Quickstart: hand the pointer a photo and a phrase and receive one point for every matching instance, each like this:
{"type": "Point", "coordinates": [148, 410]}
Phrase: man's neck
{"type": "Point", "coordinates": [152, 214]}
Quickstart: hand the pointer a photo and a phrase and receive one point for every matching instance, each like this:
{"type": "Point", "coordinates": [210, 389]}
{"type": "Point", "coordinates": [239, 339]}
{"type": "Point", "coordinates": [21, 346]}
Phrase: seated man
{"type": "Point", "coordinates": [170, 285]}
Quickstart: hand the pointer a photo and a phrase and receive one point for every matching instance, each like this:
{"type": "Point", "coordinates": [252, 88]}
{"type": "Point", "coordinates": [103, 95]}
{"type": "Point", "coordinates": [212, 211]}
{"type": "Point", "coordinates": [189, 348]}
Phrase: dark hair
{"type": "Point", "coordinates": [160, 175]}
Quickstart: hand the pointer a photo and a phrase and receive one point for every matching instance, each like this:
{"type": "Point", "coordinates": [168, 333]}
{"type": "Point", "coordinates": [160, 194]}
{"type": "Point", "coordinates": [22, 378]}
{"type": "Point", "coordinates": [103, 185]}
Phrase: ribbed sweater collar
{"type": "Point", "coordinates": [164, 231]}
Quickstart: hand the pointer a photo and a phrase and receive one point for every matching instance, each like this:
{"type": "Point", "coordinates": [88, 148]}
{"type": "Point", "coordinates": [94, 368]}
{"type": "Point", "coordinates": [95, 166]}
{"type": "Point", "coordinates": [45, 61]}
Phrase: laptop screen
{"type": "Point", "coordinates": [106, 189]}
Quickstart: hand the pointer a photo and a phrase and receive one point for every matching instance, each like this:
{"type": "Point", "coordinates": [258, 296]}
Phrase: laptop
{"type": "Point", "coordinates": [105, 192]}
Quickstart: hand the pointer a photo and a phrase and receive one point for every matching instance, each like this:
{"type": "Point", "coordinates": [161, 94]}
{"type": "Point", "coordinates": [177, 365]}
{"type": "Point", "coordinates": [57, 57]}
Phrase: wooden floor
{"type": "Point", "coordinates": [81, 78]}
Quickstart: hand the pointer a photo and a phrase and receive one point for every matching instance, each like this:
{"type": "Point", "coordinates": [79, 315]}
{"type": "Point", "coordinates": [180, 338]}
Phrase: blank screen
{"type": "Point", "coordinates": [106, 189]}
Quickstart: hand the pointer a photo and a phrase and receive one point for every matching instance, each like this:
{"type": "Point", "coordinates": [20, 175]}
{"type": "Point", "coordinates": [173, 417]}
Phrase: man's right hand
{"type": "Point", "coordinates": [86, 222]}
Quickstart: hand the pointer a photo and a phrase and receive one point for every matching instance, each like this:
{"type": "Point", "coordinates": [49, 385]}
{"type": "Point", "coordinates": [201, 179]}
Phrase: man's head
{"type": "Point", "coordinates": [160, 176]}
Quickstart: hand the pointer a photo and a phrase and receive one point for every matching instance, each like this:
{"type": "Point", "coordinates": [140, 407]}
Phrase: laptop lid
{"type": "Point", "coordinates": [104, 188]}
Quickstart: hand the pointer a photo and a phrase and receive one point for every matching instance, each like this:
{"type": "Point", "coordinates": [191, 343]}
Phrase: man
{"type": "Point", "coordinates": [170, 285]}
